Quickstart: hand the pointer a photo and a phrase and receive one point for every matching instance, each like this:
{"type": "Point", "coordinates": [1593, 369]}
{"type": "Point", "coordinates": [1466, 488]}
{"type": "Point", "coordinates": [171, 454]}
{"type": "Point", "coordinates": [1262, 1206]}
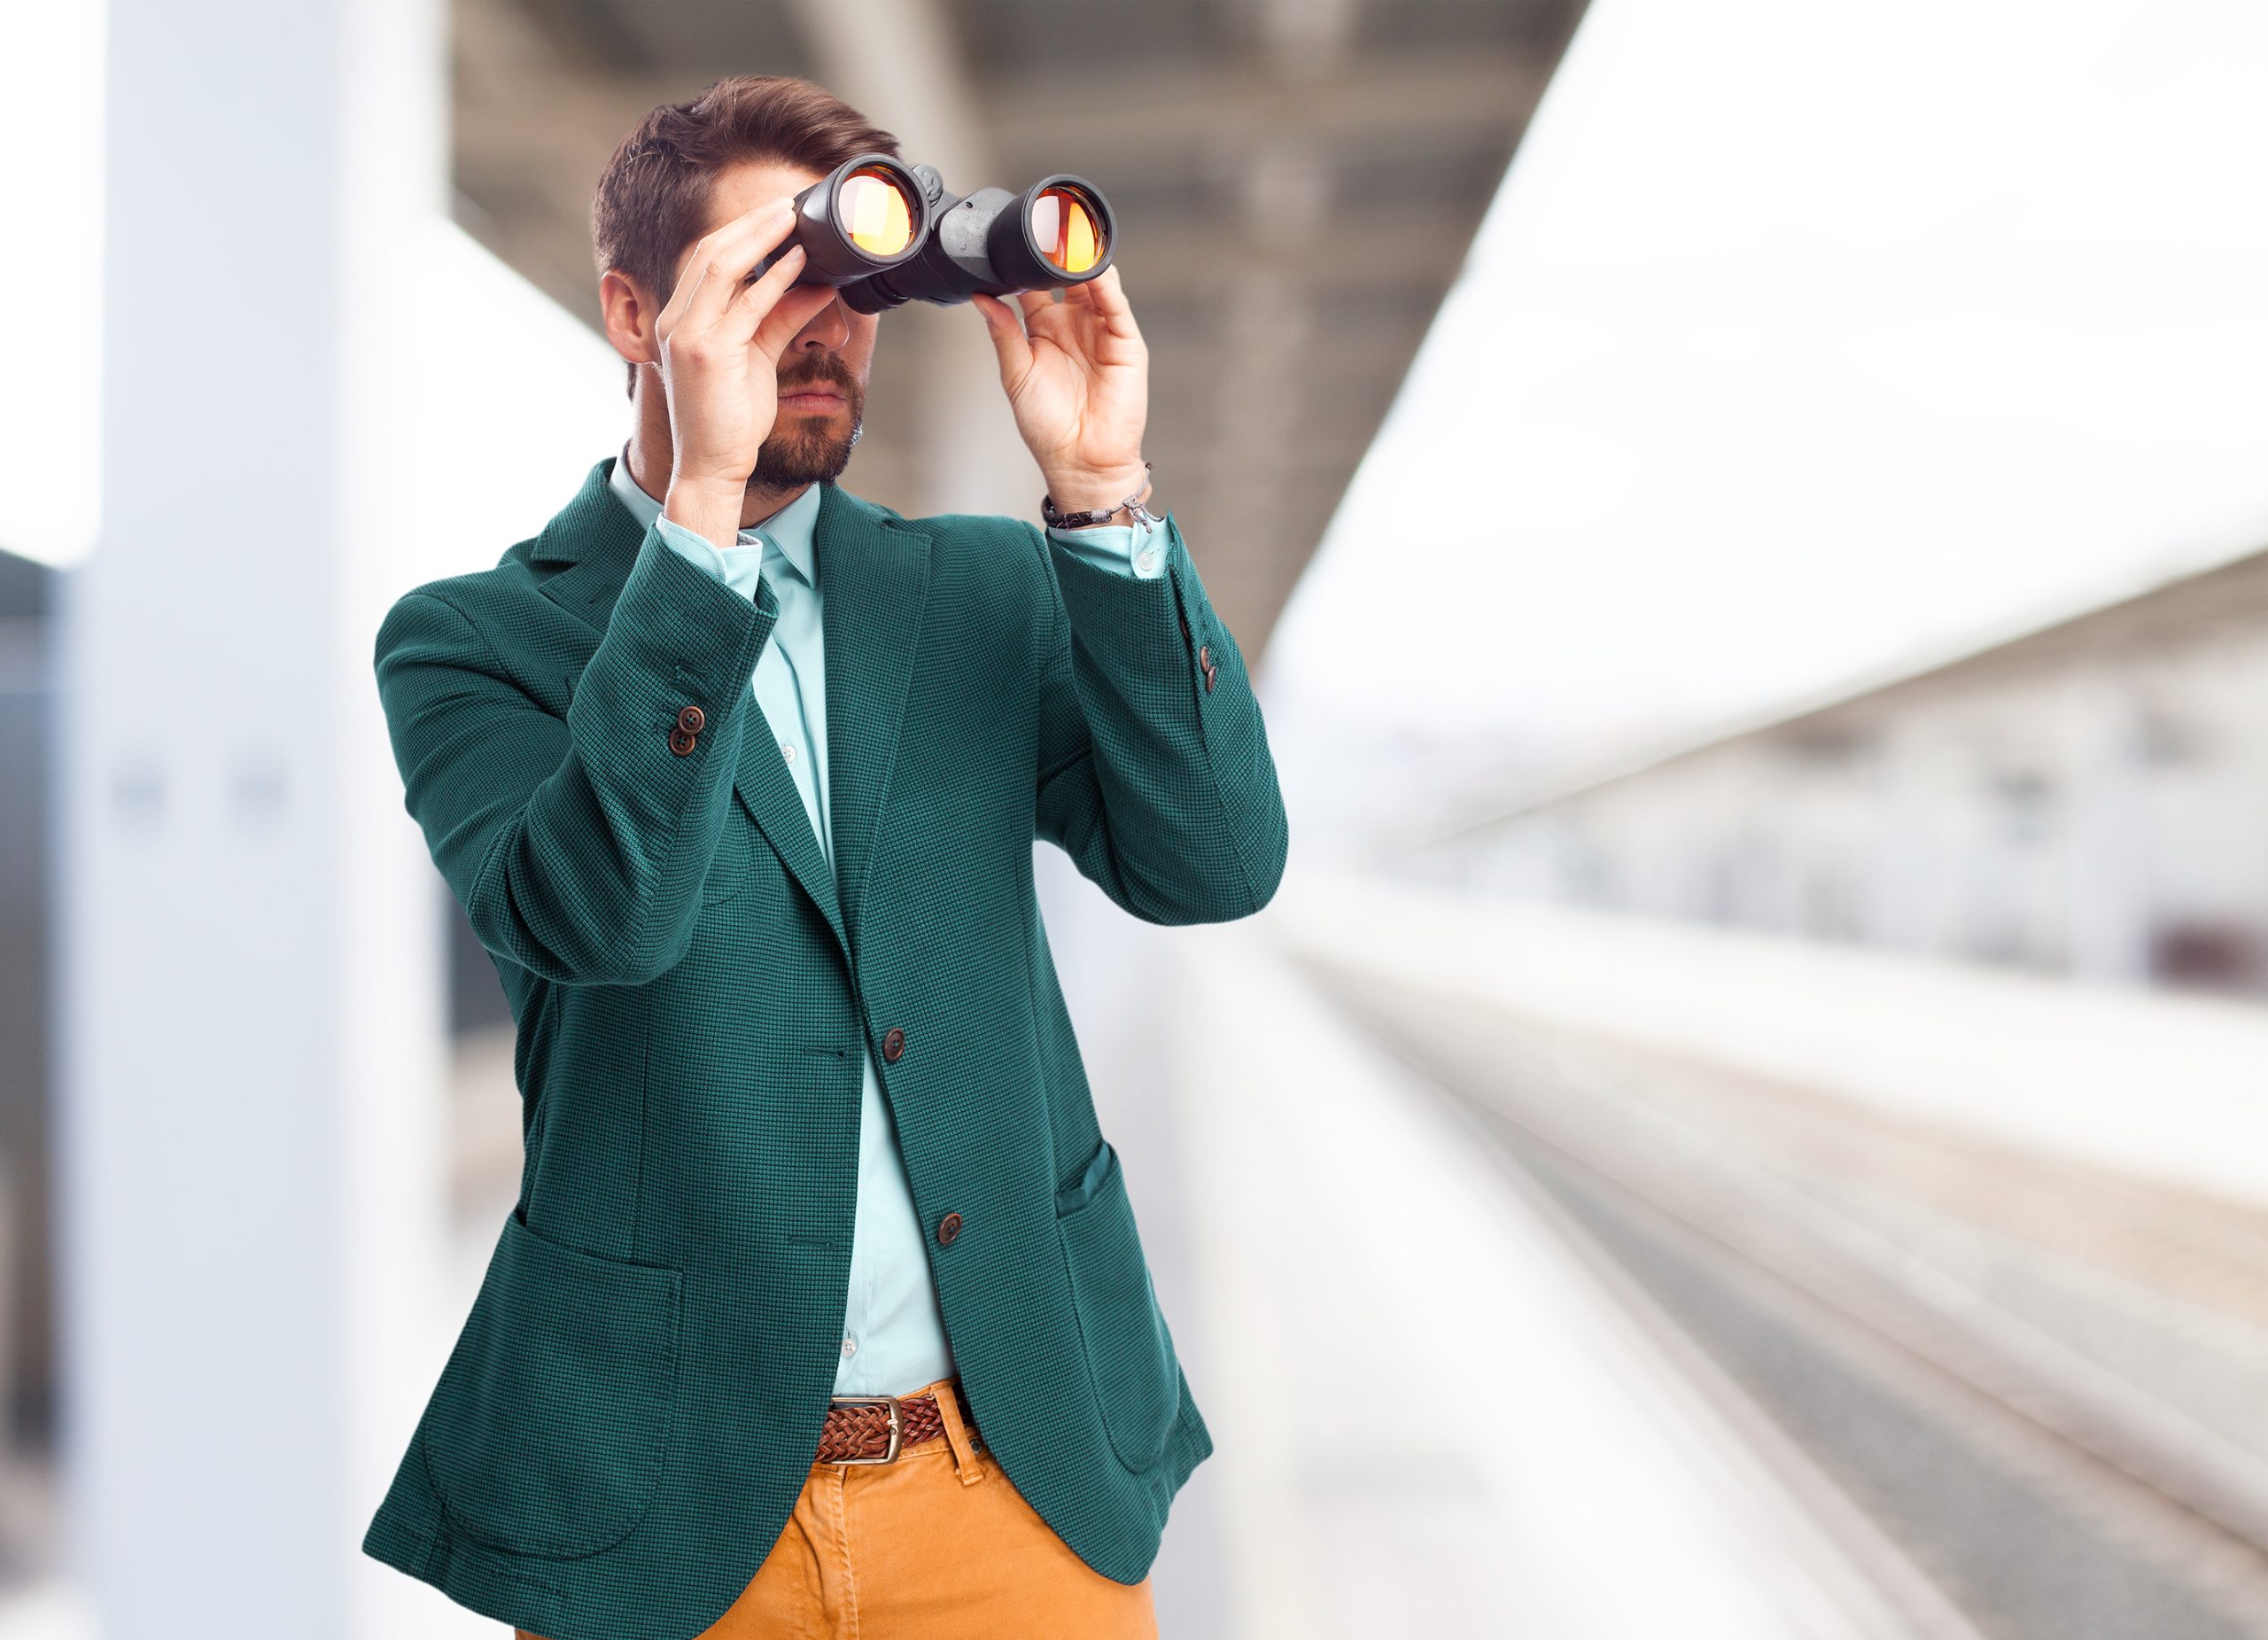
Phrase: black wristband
{"type": "Point", "coordinates": [1099, 515]}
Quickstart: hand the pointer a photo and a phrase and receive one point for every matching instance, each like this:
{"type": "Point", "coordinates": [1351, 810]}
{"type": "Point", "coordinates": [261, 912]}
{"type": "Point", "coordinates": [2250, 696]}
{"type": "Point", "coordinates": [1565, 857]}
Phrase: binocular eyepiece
{"type": "Point", "coordinates": [886, 232]}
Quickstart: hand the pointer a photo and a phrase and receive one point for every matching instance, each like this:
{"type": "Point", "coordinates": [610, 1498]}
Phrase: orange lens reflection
{"type": "Point", "coordinates": [875, 213]}
{"type": "Point", "coordinates": [1063, 226]}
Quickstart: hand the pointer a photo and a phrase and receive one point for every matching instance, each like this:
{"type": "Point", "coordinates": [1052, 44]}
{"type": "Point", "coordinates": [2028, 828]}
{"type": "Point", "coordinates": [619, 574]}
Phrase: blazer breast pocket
{"type": "Point", "coordinates": [733, 864]}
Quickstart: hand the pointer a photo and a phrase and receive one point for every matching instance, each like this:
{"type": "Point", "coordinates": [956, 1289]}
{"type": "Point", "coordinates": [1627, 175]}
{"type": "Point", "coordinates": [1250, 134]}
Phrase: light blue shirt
{"type": "Point", "coordinates": [893, 1335]}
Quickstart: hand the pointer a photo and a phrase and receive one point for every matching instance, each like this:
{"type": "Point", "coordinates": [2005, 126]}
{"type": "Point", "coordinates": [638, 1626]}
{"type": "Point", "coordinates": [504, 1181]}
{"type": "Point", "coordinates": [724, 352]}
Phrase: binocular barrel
{"type": "Point", "coordinates": [887, 232]}
{"type": "Point", "coordinates": [870, 212]}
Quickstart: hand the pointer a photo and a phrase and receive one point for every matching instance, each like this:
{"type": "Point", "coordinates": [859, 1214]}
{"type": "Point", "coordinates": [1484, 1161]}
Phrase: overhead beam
{"type": "Point", "coordinates": [1153, 113]}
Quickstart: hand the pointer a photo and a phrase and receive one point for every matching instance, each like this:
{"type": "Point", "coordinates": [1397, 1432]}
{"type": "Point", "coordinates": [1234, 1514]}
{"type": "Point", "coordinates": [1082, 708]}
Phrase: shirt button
{"type": "Point", "coordinates": [1149, 556]}
{"type": "Point", "coordinates": [787, 750]}
{"type": "Point", "coordinates": [850, 1345]}
{"type": "Point", "coordinates": [893, 1046]}
{"type": "Point", "coordinates": [948, 1227]}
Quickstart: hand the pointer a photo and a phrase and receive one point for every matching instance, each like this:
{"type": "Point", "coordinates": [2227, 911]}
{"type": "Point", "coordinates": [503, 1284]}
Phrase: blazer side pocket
{"type": "Point", "coordinates": [1130, 1353]}
{"type": "Point", "coordinates": [548, 1430]}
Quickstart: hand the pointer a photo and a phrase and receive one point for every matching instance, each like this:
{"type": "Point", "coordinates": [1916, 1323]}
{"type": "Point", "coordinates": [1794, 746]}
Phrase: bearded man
{"type": "Point", "coordinates": [822, 1310]}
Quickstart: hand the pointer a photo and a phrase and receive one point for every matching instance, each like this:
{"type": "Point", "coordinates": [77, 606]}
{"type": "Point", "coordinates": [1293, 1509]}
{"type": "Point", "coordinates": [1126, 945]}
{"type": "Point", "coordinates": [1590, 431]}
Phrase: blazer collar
{"type": "Point", "coordinates": [595, 521]}
{"type": "Point", "coordinates": [875, 569]}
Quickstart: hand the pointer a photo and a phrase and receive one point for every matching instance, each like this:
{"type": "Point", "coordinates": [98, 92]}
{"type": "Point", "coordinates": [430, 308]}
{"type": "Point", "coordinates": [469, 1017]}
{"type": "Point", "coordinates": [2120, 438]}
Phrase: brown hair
{"type": "Point", "coordinates": [653, 194]}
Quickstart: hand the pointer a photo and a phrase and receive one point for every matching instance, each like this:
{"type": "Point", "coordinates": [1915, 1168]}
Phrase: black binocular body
{"type": "Point", "coordinates": [886, 232]}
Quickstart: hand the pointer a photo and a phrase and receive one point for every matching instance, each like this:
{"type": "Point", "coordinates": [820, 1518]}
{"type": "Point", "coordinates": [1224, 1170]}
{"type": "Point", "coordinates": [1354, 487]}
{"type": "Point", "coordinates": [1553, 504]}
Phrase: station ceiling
{"type": "Point", "coordinates": [1296, 183]}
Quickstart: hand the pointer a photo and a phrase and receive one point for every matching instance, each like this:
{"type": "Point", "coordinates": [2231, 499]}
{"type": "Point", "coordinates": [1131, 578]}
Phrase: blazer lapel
{"type": "Point", "coordinates": [767, 791]}
{"type": "Point", "coordinates": [873, 577]}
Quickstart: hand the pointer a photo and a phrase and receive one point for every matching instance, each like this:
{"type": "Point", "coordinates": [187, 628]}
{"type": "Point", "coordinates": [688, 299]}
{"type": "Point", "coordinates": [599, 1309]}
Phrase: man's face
{"type": "Point", "coordinates": [822, 374]}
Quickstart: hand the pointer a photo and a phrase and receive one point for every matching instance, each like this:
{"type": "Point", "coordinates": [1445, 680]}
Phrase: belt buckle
{"type": "Point", "coordinates": [897, 1425]}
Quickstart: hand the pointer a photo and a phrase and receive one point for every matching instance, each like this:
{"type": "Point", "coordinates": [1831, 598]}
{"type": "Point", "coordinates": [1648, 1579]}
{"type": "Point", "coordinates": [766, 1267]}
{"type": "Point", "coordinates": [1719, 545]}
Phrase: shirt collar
{"type": "Point", "coordinates": [791, 529]}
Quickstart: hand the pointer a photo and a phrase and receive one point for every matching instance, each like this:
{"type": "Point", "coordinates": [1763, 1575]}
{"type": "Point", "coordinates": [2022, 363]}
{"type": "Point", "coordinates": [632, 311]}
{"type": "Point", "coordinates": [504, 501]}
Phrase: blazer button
{"type": "Point", "coordinates": [1204, 658]}
{"type": "Point", "coordinates": [690, 719]}
{"type": "Point", "coordinates": [1209, 680]}
{"type": "Point", "coordinates": [948, 1227]}
{"type": "Point", "coordinates": [893, 1043]}
{"type": "Point", "coordinates": [680, 743]}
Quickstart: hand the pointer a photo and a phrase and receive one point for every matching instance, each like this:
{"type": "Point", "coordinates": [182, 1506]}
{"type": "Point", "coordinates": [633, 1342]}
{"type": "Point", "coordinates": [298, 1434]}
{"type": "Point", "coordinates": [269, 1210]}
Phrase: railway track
{"type": "Point", "coordinates": [1984, 1353]}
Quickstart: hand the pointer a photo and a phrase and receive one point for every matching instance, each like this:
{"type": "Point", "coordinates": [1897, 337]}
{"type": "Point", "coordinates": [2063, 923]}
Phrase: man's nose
{"type": "Point", "coordinates": [829, 328]}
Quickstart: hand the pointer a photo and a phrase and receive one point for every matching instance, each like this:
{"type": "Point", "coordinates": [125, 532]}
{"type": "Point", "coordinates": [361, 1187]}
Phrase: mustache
{"type": "Point", "coordinates": [821, 368]}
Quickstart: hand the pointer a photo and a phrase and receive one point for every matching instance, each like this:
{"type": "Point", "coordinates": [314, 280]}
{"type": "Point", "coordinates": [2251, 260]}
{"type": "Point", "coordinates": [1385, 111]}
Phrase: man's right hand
{"type": "Point", "coordinates": [720, 342]}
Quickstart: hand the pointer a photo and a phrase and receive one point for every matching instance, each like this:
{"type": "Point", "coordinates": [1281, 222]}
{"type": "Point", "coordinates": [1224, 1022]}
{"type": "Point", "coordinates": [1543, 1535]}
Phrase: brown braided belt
{"type": "Point", "coordinates": [872, 1429]}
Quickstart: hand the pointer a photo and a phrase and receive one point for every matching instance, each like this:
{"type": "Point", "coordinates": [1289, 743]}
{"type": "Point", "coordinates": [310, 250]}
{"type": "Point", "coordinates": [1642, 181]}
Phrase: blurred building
{"type": "Point", "coordinates": [1296, 183]}
{"type": "Point", "coordinates": [2087, 798]}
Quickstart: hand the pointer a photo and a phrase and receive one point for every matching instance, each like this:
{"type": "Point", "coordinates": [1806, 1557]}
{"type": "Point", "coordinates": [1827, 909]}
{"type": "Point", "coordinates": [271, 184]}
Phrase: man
{"type": "Point", "coordinates": [736, 776]}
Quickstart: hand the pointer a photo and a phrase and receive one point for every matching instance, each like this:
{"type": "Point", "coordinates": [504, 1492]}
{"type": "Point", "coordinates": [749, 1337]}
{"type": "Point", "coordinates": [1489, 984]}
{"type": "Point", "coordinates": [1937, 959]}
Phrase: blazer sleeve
{"type": "Point", "coordinates": [1160, 787]}
{"type": "Point", "coordinates": [577, 842]}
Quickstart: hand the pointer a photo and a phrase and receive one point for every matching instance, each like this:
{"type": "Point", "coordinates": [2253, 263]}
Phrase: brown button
{"type": "Point", "coordinates": [690, 719]}
{"type": "Point", "coordinates": [680, 743]}
{"type": "Point", "coordinates": [1209, 680]}
{"type": "Point", "coordinates": [893, 1043]}
{"type": "Point", "coordinates": [948, 1227]}
{"type": "Point", "coordinates": [1205, 655]}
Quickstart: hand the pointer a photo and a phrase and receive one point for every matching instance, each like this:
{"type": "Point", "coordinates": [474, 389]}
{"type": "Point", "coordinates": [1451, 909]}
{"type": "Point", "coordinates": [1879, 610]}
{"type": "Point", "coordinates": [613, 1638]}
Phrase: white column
{"type": "Point", "coordinates": [895, 61]}
{"type": "Point", "coordinates": [2108, 851]}
{"type": "Point", "coordinates": [249, 1017]}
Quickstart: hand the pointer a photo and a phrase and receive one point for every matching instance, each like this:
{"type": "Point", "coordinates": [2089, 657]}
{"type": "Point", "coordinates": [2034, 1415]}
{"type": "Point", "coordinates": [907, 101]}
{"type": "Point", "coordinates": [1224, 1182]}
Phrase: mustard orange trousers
{"type": "Point", "coordinates": [936, 1545]}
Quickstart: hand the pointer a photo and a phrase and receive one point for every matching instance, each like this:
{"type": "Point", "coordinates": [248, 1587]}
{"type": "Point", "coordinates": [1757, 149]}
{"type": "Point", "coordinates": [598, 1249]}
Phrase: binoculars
{"type": "Point", "coordinates": [886, 232]}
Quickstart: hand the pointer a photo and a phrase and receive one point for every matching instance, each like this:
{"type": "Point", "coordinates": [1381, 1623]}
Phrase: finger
{"type": "Point", "coordinates": [1106, 297]}
{"type": "Point", "coordinates": [1008, 339]}
{"type": "Point", "coordinates": [722, 258]}
{"type": "Point", "coordinates": [796, 309]}
{"type": "Point", "coordinates": [755, 301]}
{"type": "Point", "coordinates": [1045, 317]}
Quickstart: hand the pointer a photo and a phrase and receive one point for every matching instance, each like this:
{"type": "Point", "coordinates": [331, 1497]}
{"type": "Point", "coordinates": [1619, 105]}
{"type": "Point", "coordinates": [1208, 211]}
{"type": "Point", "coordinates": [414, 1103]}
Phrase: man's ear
{"type": "Point", "coordinates": [629, 314]}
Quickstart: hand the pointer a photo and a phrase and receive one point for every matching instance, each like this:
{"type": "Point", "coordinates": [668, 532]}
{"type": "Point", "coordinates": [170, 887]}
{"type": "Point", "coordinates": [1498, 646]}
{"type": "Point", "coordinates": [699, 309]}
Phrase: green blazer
{"type": "Point", "coordinates": [632, 1406]}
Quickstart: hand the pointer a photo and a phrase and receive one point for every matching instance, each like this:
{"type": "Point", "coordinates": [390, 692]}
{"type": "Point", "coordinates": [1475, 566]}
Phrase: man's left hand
{"type": "Point", "coordinates": [1077, 376]}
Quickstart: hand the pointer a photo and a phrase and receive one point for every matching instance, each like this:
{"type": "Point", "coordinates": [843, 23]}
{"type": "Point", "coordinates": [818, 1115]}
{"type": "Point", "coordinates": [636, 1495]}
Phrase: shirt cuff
{"type": "Point", "coordinates": [693, 544]}
{"type": "Point", "coordinates": [1138, 550]}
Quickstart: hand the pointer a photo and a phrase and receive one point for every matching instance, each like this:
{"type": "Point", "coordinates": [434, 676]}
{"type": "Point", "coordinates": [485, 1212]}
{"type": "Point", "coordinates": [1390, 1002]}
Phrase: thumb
{"type": "Point", "coordinates": [1008, 339]}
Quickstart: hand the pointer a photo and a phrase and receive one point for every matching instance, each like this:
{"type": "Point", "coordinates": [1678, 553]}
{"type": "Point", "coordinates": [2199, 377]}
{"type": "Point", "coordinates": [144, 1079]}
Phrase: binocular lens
{"type": "Point", "coordinates": [1065, 228]}
{"type": "Point", "coordinates": [876, 213]}
{"type": "Point", "coordinates": [1056, 232]}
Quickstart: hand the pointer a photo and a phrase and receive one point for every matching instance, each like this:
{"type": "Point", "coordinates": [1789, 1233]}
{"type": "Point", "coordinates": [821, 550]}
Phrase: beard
{"type": "Point", "coordinates": [807, 450]}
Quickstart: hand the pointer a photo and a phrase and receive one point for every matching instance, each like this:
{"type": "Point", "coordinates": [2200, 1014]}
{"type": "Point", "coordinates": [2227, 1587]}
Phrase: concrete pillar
{"type": "Point", "coordinates": [895, 61]}
{"type": "Point", "coordinates": [249, 1023]}
{"type": "Point", "coordinates": [2108, 850]}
